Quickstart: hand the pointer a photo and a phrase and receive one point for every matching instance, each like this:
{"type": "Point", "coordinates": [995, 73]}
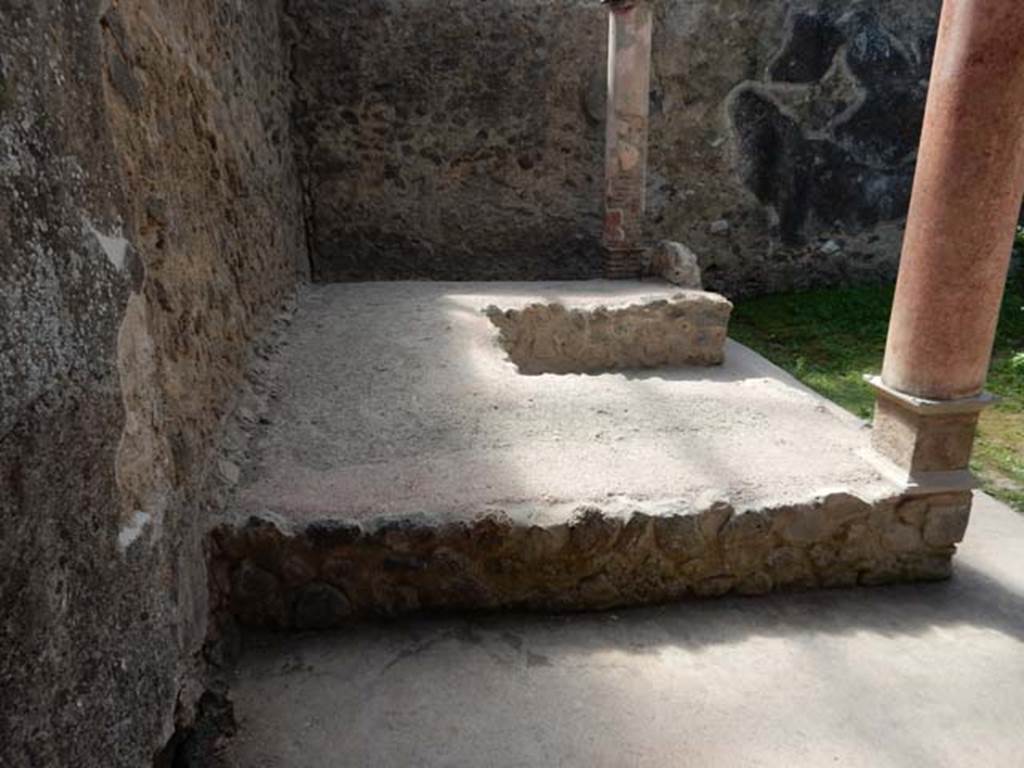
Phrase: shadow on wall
{"type": "Point", "coordinates": [831, 133]}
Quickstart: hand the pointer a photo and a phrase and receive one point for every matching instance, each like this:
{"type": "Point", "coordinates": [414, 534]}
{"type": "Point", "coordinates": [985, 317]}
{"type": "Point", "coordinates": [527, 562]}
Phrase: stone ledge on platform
{"type": "Point", "coordinates": [687, 328]}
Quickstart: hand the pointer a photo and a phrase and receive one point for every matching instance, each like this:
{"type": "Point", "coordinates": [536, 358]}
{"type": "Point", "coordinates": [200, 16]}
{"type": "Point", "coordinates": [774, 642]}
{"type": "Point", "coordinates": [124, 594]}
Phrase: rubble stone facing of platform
{"type": "Point", "coordinates": [688, 329]}
{"type": "Point", "coordinates": [327, 573]}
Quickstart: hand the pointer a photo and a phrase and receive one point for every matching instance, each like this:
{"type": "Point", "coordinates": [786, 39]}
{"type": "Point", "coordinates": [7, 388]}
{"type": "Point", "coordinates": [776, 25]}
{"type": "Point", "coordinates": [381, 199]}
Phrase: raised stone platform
{"type": "Point", "coordinates": [407, 464]}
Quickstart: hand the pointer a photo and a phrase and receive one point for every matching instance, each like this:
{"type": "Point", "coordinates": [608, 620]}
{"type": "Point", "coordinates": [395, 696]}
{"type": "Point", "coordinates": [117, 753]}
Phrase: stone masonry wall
{"type": "Point", "coordinates": [150, 227]}
{"type": "Point", "coordinates": [451, 139]}
{"type": "Point", "coordinates": [457, 139]}
{"type": "Point", "coordinates": [326, 573]}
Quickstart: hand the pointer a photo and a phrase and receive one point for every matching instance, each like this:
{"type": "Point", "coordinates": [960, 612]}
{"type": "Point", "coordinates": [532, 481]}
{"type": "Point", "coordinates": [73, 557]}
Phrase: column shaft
{"type": "Point", "coordinates": [629, 75]}
{"type": "Point", "coordinates": [965, 202]}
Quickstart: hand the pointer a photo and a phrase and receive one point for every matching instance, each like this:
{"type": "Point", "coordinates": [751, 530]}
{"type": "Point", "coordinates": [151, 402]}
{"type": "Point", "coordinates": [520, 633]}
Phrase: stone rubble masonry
{"type": "Point", "coordinates": [459, 139]}
{"type": "Point", "coordinates": [688, 329]}
{"type": "Point", "coordinates": [269, 573]}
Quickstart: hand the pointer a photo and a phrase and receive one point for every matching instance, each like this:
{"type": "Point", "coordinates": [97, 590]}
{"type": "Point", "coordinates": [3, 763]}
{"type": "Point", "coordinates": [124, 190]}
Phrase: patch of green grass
{"type": "Point", "coordinates": [830, 338]}
{"type": "Point", "coordinates": [827, 338]}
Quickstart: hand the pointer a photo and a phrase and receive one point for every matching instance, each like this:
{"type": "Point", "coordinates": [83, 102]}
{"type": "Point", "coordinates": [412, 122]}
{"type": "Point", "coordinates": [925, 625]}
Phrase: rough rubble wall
{"type": "Point", "coordinates": [460, 139]}
{"type": "Point", "coordinates": [149, 229]}
{"type": "Point", "coordinates": [451, 139]}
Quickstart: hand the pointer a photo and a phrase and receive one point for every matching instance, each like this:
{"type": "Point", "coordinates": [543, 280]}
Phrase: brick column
{"type": "Point", "coordinates": [965, 203]}
{"type": "Point", "coordinates": [629, 77]}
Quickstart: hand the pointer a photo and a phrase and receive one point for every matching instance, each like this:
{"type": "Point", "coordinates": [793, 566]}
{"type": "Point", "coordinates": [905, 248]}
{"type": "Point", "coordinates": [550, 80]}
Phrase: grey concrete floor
{"type": "Point", "coordinates": [923, 675]}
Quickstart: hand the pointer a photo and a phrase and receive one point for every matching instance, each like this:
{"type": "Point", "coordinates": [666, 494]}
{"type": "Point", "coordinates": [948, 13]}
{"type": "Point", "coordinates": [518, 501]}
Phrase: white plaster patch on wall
{"type": "Point", "coordinates": [130, 533]}
{"type": "Point", "coordinates": [114, 246]}
{"type": "Point", "coordinates": [148, 519]}
{"type": "Point", "coordinates": [143, 466]}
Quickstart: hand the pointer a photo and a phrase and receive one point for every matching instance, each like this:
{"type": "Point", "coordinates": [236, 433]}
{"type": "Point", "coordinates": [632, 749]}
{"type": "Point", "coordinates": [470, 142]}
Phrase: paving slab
{"type": "Point", "coordinates": [907, 676]}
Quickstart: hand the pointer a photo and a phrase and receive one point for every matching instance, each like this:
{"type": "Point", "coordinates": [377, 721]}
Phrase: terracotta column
{"type": "Point", "coordinates": [629, 78]}
{"type": "Point", "coordinates": [966, 199]}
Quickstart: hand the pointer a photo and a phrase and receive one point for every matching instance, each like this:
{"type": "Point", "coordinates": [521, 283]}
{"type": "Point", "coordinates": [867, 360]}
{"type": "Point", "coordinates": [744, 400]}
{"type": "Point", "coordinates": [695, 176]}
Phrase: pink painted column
{"type": "Point", "coordinates": [966, 199]}
{"type": "Point", "coordinates": [629, 78]}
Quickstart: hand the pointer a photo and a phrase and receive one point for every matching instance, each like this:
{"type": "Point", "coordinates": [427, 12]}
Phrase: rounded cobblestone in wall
{"type": "Point", "coordinates": [946, 524]}
{"type": "Point", "coordinates": [257, 596]}
{"type": "Point", "coordinates": [320, 606]}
